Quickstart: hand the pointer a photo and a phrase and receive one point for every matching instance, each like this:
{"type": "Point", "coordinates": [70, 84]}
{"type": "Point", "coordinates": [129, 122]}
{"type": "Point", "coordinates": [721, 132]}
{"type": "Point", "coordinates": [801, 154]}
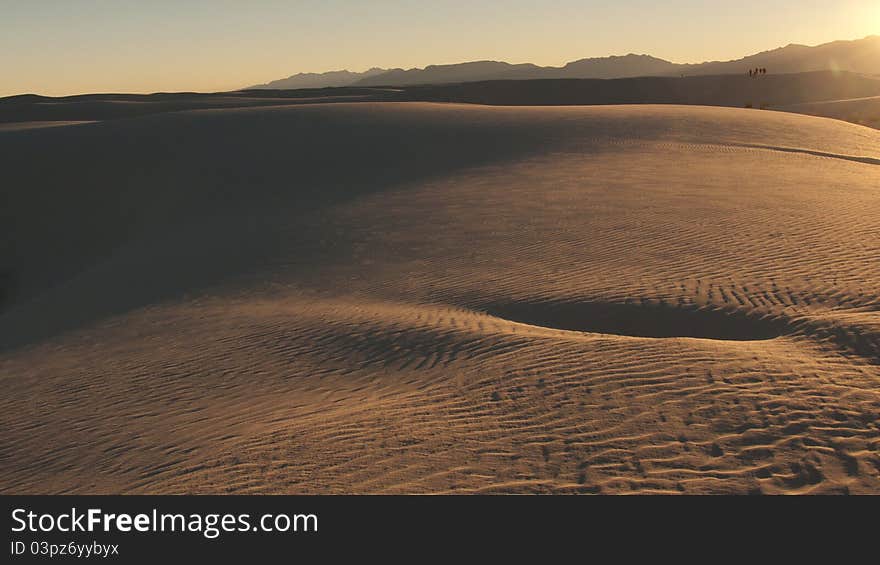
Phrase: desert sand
{"type": "Point", "coordinates": [864, 111]}
{"type": "Point", "coordinates": [417, 297]}
{"type": "Point", "coordinates": [841, 95]}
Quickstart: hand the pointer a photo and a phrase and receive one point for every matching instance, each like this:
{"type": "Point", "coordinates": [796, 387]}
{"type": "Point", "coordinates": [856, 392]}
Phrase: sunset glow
{"type": "Point", "coordinates": [64, 47]}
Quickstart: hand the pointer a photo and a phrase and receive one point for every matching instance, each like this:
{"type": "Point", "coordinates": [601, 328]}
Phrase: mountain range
{"type": "Point", "coordinates": [859, 56]}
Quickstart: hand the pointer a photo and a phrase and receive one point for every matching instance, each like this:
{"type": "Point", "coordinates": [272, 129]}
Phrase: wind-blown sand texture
{"type": "Point", "coordinates": [414, 297]}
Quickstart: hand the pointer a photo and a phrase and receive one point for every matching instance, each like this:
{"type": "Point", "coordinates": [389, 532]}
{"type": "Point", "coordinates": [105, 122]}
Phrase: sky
{"type": "Point", "coordinates": [60, 47]}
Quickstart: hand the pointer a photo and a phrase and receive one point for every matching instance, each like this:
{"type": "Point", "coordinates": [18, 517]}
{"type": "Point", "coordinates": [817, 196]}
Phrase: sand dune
{"type": "Point", "coordinates": [864, 111]}
{"type": "Point", "coordinates": [811, 93]}
{"type": "Point", "coordinates": [737, 90]}
{"type": "Point", "coordinates": [415, 297]}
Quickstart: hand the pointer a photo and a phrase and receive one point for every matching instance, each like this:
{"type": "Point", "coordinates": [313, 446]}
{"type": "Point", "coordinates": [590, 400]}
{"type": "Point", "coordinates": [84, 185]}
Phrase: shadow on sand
{"type": "Point", "coordinates": [643, 320]}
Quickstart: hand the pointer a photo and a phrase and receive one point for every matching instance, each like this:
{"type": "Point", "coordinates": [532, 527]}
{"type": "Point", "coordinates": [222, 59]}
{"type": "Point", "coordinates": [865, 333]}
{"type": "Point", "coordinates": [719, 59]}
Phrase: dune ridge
{"type": "Point", "coordinates": [839, 95]}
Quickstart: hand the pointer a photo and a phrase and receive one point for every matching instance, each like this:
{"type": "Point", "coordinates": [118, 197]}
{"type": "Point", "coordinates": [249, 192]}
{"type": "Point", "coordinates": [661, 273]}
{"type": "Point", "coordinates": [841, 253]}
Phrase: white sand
{"type": "Point", "coordinates": [471, 299]}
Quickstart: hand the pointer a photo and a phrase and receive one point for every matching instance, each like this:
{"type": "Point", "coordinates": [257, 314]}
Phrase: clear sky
{"type": "Point", "coordinates": [57, 47]}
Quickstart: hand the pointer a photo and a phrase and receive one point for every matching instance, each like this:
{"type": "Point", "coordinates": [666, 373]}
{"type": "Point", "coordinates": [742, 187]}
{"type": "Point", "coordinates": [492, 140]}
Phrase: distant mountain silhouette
{"type": "Point", "coordinates": [627, 66]}
{"type": "Point", "coordinates": [859, 56]}
{"type": "Point", "coordinates": [462, 72]}
{"type": "Point", "coordinates": [319, 80]}
{"type": "Point", "coordinates": [601, 67]}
